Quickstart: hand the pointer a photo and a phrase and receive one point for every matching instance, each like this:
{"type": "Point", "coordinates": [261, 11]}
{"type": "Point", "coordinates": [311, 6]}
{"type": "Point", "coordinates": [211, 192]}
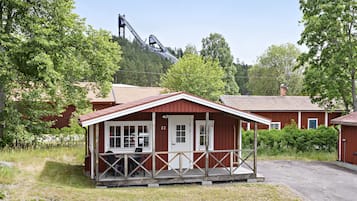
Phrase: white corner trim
{"type": "Point", "coordinates": [326, 119]}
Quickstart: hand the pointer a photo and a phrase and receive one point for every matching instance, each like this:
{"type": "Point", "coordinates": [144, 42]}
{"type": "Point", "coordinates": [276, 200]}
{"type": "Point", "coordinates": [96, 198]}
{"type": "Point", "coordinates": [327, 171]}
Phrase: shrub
{"type": "Point", "coordinates": [292, 138]}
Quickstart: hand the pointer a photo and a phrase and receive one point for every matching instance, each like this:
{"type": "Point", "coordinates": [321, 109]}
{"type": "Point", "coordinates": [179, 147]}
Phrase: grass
{"type": "Point", "coordinates": [57, 174]}
{"type": "Point", "coordinates": [292, 155]}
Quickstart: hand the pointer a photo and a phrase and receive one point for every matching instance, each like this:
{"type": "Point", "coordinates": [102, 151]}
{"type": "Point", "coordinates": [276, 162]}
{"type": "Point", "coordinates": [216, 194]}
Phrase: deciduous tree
{"type": "Point", "coordinates": [330, 34]}
{"type": "Point", "coordinates": [45, 51]}
{"type": "Point", "coordinates": [194, 75]}
{"type": "Point", "coordinates": [216, 47]}
{"type": "Point", "coordinates": [276, 67]}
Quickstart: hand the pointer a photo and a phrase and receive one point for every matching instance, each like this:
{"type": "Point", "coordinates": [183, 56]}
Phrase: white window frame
{"type": "Point", "coordinates": [107, 125]}
{"type": "Point", "coordinates": [308, 122]}
{"type": "Point", "coordinates": [211, 135]}
{"type": "Point", "coordinates": [276, 123]}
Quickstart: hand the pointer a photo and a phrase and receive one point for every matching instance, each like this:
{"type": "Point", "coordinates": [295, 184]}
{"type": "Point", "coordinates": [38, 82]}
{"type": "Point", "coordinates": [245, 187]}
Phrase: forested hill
{"type": "Point", "coordinates": [139, 66]}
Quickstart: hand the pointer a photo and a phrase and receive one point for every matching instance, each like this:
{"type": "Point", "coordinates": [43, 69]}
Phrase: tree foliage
{"type": "Point", "coordinates": [331, 35]}
{"type": "Point", "coordinates": [139, 66]}
{"type": "Point", "coordinates": [194, 75]}
{"type": "Point", "coordinates": [215, 47]}
{"type": "Point", "coordinates": [241, 77]}
{"type": "Point", "coordinates": [276, 67]}
{"type": "Point", "coordinates": [45, 50]}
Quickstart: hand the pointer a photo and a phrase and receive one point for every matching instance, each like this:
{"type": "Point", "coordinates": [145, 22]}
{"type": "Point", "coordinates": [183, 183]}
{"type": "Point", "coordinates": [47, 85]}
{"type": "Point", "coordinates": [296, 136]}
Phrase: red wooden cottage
{"type": "Point", "coordinates": [169, 138]}
{"type": "Point", "coordinates": [347, 141]}
{"type": "Point", "coordinates": [282, 110]}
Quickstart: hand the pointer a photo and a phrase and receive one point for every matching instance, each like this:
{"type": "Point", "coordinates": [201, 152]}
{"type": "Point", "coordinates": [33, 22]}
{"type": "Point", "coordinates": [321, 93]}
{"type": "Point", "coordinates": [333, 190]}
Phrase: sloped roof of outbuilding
{"type": "Point", "coordinates": [271, 103]}
{"type": "Point", "coordinates": [348, 120]}
{"type": "Point", "coordinates": [120, 93]}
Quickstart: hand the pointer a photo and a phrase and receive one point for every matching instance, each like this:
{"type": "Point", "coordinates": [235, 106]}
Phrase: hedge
{"type": "Point", "coordinates": [291, 138]}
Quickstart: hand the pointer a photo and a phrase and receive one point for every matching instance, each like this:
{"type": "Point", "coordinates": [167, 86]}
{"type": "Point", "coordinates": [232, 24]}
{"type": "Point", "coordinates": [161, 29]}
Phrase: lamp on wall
{"type": "Point", "coordinates": [164, 116]}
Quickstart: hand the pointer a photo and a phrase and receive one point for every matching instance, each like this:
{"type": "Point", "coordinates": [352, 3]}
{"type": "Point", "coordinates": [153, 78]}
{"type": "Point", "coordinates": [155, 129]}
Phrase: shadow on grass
{"type": "Point", "coordinates": [65, 174]}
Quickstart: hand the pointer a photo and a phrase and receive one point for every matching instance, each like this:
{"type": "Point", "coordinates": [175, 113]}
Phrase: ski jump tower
{"type": "Point", "coordinates": [154, 44]}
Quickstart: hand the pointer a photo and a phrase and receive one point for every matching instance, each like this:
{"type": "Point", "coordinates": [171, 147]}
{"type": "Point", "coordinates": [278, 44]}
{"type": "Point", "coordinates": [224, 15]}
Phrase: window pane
{"type": "Point", "coordinates": [202, 140]}
{"type": "Point", "coordinates": [202, 129]}
{"type": "Point", "coordinates": [183, 139]}
{"type": "Point", "coordinates": [126, 136]}
{"type": "Point", "coordinates": [126, 130]}
{"type": "Point", "coordinates": [117, 142]}
{"type": "Point", "coordinates": [146, 141]}
{"type": "Point", "coordinates": [132, 136]}
{"type": "Point", "coordinates": [312, 123]}
{"type": "Point", "coordinates": [118, 131]}
{"type": "Point", "coordinates": [111, 142]}
{"type": "Point", "coordinates": [111, 130]}
{"type": "Point", "coordinates": [274, 126]}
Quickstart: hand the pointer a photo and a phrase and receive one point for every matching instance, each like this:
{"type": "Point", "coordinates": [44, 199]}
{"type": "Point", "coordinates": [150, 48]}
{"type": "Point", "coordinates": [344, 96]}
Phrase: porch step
{"type": "Point", "coordinates": [206, 183]}
{"type": "Point", "coordinates": [154, 185]}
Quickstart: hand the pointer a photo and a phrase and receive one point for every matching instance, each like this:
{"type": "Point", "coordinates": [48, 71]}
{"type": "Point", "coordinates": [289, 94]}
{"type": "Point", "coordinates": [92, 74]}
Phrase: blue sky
{"type": "Point", "coordinates": [249, 26]}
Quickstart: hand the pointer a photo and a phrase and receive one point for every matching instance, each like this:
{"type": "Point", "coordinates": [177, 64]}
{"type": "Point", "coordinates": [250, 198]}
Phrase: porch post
{"type": "Point", "coordinates": [299, 120]}
{"type": "Point", "coordinates": [339, 144]}
{"type": "Point", "coordinates": [91, 149]}
{"type": "Point", "coordinates": [239, 141]}
{"type": "Point", "coordinates": [255, 147]}
{"type": "Point", "coordinates": [206, 143]}
{"type": "Point", "coordinates": [96, 151]}
{"type": "Point", "coordinates": [153, 144]}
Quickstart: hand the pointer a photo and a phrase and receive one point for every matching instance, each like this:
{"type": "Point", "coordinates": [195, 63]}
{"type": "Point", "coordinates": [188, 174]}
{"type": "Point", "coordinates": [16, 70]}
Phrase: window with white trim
{"type": "Point", "coordinates": [180, 133]}
{"type": "Point", "coordinates": [201, 135]}
{"type": "Point", "coordinates": [275, 125]}
{"type": "Point", "coordinates": [312, 123]}
{"type": "Point", "coordinates": [115, 136]}
{"type": "Point", "coordinates": [127, 135]}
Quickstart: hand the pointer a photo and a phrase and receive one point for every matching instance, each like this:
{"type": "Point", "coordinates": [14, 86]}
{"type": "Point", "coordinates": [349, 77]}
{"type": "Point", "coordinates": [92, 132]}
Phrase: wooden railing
{"type": "Point", "coordinates": [131, 166]}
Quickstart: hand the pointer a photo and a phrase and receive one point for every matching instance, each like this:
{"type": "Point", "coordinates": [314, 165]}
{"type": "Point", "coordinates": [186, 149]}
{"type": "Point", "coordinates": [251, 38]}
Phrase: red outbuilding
{"type": "Point", "coordinates": [282, 110]}
{"type": "Point", "coordinates": [168, 138]}
{"type": "Point", "coordinates": [347, 143]}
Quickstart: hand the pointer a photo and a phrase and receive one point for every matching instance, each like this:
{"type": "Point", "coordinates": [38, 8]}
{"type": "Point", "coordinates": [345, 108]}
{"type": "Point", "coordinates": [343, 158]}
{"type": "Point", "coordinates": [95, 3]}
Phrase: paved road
{"type": "Point", "coordinates": [312, 180]}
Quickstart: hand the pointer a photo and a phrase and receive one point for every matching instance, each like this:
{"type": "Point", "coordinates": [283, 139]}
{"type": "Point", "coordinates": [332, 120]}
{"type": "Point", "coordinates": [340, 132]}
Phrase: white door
{"type": "Point", "coordinates": [180, 141]}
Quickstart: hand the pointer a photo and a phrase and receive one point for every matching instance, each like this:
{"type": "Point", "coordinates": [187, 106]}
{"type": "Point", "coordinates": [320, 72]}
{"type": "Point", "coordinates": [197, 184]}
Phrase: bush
{"type": "Point", "coordinates": [292, 138]}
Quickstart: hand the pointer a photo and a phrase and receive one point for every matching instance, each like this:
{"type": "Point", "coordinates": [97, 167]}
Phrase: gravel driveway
{"type": "Point", "coordinates": [312, 180]}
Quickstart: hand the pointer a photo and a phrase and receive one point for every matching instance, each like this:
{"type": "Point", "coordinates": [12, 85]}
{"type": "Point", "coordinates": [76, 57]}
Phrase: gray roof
{"type": "Point", "coordinates": [270, 103]}
{"type": "Point", "coordinates": [349, 119]}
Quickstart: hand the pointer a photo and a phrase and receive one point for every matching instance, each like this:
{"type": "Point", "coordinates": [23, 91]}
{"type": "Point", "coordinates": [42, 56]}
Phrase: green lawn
{"type": "Point", "coordinates": [57, 174]}
{"type": "Point", "coordinates": [292, 155]}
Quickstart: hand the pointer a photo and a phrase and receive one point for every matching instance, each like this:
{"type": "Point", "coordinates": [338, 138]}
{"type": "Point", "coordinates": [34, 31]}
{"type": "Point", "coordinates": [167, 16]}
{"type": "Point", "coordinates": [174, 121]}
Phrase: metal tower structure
{"type": "Point", "coordinates": [154, 44]}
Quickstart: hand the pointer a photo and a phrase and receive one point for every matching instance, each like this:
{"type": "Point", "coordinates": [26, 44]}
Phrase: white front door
{"type": "Point", "coordinates": [180, 141]}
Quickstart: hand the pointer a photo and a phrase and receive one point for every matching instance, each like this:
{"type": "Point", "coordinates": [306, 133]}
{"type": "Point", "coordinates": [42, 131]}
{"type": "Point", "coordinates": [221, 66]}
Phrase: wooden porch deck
{"type": "Point", "coordinates": [141, 176]}
{"type": "Point", "coordinates": [170, 177]}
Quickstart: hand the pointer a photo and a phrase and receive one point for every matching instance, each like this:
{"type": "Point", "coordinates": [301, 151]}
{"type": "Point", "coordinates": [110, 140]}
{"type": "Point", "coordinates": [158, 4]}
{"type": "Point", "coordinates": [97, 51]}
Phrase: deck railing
{"type": "Point", "coordinates": [141, 165]}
